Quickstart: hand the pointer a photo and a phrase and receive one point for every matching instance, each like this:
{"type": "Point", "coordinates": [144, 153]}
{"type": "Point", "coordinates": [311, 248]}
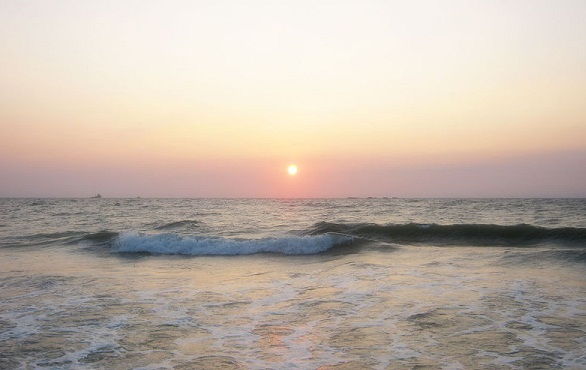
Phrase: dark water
{"type": "Point", "coordinates": [320, 283]}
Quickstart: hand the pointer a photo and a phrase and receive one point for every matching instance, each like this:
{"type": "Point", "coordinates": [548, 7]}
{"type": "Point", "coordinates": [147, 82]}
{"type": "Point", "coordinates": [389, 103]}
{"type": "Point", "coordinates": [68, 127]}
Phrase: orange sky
{"type": "Point", "coordinates": [368, 97]}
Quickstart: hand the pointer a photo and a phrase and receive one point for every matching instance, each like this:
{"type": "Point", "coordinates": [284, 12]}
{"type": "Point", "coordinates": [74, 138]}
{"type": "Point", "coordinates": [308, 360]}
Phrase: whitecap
{"type": "Point", "coordinates": [169, 243]}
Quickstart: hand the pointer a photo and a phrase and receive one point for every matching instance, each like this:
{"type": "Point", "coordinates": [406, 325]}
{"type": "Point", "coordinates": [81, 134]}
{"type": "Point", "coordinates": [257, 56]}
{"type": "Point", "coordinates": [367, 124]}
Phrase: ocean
{"type": "Point", "coordinates": [379, 283]}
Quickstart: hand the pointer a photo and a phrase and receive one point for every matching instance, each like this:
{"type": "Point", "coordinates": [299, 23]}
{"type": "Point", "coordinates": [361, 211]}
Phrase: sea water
{"type": "Point", "coordinates": [292, 283]}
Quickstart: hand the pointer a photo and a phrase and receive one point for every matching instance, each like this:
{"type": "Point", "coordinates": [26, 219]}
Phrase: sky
{"type": "Point", "coordinates": [369, 98]}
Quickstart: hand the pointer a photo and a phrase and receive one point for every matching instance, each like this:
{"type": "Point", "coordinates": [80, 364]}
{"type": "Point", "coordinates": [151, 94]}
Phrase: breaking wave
{"type": "Point", "coordinates": [202, 246]}
{"type": "Point", "coordinates": [320, 238]}
{"type": "Point", "coordinates": [471, 234]}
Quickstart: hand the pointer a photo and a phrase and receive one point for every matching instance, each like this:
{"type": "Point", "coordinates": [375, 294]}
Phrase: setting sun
{"type": "Point", "coordinates": [292, 169]}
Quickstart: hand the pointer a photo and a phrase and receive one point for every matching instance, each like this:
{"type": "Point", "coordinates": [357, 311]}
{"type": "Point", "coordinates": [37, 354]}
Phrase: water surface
{"type": "Point", "coordinates": [318, 283]}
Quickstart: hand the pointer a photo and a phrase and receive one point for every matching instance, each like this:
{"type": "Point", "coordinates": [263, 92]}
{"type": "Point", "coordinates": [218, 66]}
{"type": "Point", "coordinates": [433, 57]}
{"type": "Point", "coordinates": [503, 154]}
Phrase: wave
{"type": "Point", "coordinates": [322, 237]}
{"type": "Point", "coordinates": [471, 234]}
{"type": "Point", "coordinates": [205, 246]}
{"type": "Point", "coordinates": [58, 239]}
{"type": "Point", "coordinates": [100, 237]}
{"type": "Point", "coordinates": [42, 239]}
{"type": "Point", "coordinates": [178, 224]}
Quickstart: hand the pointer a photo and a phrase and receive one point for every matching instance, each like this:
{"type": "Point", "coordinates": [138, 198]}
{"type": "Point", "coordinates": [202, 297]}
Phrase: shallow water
{"type": "Point", "coordinates": [85, 283]}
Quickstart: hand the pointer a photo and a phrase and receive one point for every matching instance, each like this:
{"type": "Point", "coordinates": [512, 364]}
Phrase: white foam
{"type": "Point", "coordinates": [200, 246]}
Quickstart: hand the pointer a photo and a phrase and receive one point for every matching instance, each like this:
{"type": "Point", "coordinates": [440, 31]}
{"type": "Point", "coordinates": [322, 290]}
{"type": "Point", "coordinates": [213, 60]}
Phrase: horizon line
{"type": "Point", "coordinates": [300, 198]}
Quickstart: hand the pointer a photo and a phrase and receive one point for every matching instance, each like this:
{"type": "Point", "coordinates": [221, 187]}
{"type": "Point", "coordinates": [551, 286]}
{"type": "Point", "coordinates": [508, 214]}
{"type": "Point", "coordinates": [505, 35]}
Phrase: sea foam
{"type": "Point", "coordinates": [199, 246]}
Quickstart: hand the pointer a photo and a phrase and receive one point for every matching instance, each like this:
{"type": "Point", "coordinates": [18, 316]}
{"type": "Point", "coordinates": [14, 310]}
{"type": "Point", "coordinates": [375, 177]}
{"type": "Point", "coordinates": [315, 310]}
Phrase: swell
{"type": "Point", "coordinates": [458, 234]}
{"type": "Point", "coordinates": [100, 237]}
{"type": "Point", "coordinates": [59, 238]}
{"type": "Point", "coordinates": [178, 225]}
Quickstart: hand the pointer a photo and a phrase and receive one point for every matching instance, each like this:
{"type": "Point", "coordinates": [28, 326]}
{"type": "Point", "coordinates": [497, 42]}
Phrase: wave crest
{"type": "Point", "coordinates": [202, 246]}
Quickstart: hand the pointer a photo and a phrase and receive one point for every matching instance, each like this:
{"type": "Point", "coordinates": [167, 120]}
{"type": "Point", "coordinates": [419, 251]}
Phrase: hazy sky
{"type": "Point", "coordinates": [369, 98]}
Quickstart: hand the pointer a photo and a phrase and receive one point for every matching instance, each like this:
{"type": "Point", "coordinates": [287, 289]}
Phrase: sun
{"type": "Point", "coordinates": [292, 169]}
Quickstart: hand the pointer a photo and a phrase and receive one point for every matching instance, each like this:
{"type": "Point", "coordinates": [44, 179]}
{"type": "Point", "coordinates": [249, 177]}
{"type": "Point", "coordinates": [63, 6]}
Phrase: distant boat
{"type": "Point", "coordinates": [97, 196]}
